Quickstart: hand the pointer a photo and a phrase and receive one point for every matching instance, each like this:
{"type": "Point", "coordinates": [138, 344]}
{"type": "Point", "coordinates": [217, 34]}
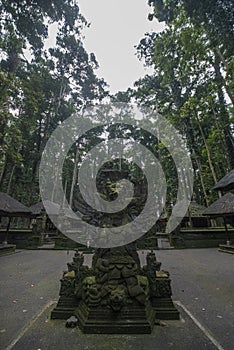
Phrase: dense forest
{"type": "Point", "coordinates": [193, 82]}
{"type": "Point", "coordinates": [191, 85]}
{"type": "Point", "coordinates": [40, 92]}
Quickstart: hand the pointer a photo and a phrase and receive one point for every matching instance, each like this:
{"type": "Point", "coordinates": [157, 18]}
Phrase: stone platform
{"type": "Point", "coordinates": [116, 295]}
{"type": "Point", "coordinates": [44, 333]}
{"type": "Point", "coordinates": [30, 279]}
{"type": "Point", "coordinates": [226, 248]}
{"type": "Point", "coordinates": [7, 249]}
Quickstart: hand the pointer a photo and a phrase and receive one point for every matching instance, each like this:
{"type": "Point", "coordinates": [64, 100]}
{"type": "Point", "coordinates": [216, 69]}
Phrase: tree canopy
{"type": "Point", "coordinates": [39, 87]}
{"type": "Point", "coordinates": [192, 85]}
{"type": "Point", "coordinates": [192, 82]}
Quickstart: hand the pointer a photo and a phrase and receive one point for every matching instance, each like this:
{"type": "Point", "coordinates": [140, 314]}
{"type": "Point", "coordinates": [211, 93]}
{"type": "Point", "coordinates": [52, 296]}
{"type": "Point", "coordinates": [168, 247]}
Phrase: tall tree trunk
{"type": "Point", "coordinates": [199, 167]}
{"type": "Point", "coordinates": [225, 122]}
{"type": "Point", "coordinates": [3, 171]}
{"type": "Point", "coordinates": [207, 150]}
{"type": "Point", "coordinates": [10, 180]}
{"type": "Point", "coordinates": [222, 80]}
{"type": "Point", "coordinates": [196, 155]}
{"type": "Point", "coordinates": [55, 184]}
{"type": "Point", "coordinates": [74, 176]}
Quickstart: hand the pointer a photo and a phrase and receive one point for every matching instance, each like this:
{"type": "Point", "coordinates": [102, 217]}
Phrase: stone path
{"type": "Point", "coordinates": [202, 282]}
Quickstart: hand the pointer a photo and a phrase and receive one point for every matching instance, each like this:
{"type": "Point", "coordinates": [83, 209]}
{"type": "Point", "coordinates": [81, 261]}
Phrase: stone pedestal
{"type": "Point", "coordinates": [162, 300]}
{"type": "Point", "coordinates": [65, 308]}
{"type": "Point", "coordinates": [116, 295]}
{"type": "Point", "coordinates": [132, 319]}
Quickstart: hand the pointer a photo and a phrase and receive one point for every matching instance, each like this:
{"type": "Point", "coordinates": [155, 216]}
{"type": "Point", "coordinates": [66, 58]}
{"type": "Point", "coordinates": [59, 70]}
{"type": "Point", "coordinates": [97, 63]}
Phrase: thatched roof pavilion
{"type": "Point", "coordinates": [10, 207]}
{"type": "Point", "coordinates": [194, 215]}
{"type": "Point", "coordinates": [223, 206]}
{"type": "Point", "coordinates": [226, 183]}
{"type": "Point", "coordinates": [52, 208]}
{"type": "Point", "coordinates": [194, 210]}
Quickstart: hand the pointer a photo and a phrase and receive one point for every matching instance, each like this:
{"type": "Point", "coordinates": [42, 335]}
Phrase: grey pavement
{"type": "Point", "coordinates": [202, 282]}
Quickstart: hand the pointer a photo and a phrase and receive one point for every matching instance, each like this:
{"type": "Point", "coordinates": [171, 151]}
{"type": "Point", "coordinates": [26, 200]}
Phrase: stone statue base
{"type": "Point", "coordinates": [130, 320]}
{"type": "Point", "coordinates": [162, 302]}
{"type": "Point", "coordinates": [65, 308]}
{"type": "Point", "coordinates": [115, 295]}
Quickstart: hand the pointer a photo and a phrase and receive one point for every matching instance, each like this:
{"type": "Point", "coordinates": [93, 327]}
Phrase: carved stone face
{"type": "Point", "coordinates": [144, 284]}
{"type": "Point", "coordinates": [117, 298]}
{"type": "Point", "coordinates": [89, 284]}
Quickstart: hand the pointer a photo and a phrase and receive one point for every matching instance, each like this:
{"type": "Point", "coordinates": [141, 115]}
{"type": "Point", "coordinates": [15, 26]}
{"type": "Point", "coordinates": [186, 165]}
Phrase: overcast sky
{"type": "Point", "coordinates": [116, 26]}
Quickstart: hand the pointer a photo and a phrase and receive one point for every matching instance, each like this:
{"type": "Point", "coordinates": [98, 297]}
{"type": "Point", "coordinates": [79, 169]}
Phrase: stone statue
{"type": "Point", "coordinates": [115, 295]}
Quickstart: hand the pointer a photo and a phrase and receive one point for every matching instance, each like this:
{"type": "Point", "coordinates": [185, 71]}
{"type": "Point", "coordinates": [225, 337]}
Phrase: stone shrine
{"type": "Point", "coordinates": [115, 295]}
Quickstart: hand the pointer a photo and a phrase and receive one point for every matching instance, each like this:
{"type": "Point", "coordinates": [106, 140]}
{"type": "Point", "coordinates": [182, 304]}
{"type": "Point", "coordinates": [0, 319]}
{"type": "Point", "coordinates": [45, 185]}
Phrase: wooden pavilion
{"type": "Point", "coordinates": [10, 208]}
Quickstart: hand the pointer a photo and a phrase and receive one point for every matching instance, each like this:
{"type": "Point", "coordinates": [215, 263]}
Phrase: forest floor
{"type": "Point", "coordinates": [203, 291]}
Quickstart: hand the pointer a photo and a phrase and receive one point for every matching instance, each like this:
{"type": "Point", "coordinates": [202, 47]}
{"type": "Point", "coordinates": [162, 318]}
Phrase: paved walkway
{"type": "Point", "coordinates": [202, 282]}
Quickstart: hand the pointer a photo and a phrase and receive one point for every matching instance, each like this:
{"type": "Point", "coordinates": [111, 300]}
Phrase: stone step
{"type": "Point", "coordinates": [7, 248]}
{"type": "Point", "coordinates": [226, 248]}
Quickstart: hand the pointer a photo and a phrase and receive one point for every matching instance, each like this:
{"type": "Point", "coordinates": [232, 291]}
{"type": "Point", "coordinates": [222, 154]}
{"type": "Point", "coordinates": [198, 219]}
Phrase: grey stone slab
{"type": "Point", "coordinates": [202, 279]}
{"type": "Point", "coordinates": [47, 334]}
